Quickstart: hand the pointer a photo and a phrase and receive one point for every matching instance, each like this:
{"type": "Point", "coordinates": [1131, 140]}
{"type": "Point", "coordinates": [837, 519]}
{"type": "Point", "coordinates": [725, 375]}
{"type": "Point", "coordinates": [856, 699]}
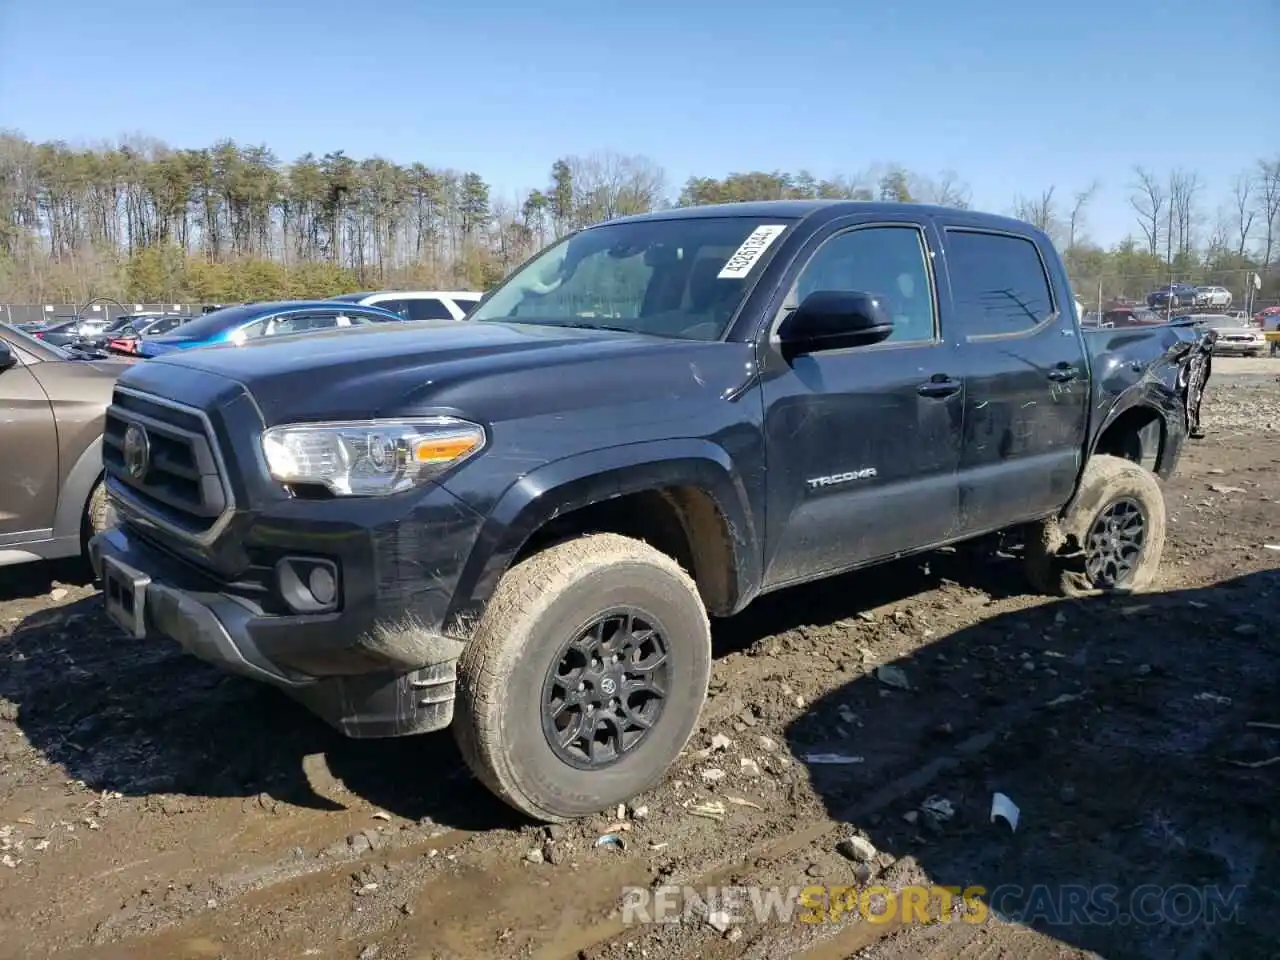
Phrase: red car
{"type": "Point", "coordinates": [123, 345]}
{"type": "Point", "coordinates": [126, 341]}
{"type": "Point", "coordinates": [1260, 318]}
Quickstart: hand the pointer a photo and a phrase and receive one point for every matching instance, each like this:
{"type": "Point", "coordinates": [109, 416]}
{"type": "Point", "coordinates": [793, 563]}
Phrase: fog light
{"type": "Point", "coordinates": [308, 584]}
{"type": "Point", "coordinates": [322, 584]}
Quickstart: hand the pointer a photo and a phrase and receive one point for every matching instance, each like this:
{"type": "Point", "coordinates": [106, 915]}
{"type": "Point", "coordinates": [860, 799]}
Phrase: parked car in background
{"type": "Point", "coordinates": [1174, 295]}
{"type": "Point", "coordinates": [1219, 297]}
{"type": "Point", "coordinates": [126, 339]}
{"type": "Point", "coordinates": [418, 304]}
{"type": "Point", "coordinates": [133, 321]}
{"type": "Point", "coordinates": [52, 404]}
{"type": "Point", "coordinates": [1234, 335]}
{"type": "Point", "coordinates": [1131, 317]}
{"type": "Point", "coordinates": [240, 324]}
{"type": "Point", "coordinates": [68, 330]}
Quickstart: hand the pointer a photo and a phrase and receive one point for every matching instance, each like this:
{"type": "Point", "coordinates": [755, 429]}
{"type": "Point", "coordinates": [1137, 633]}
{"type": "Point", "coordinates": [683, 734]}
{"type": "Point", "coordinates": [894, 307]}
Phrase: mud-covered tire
{"type": "Point", "coordinates": [97, 512]}
{"type": "Point", "coordinates": [1055, 554]}
{"type": "Point", "coordinates": [535, 609]}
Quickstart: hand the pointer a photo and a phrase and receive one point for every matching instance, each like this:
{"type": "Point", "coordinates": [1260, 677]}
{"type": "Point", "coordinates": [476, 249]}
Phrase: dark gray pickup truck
{"type": "Point", "coordinates": [519, 525]}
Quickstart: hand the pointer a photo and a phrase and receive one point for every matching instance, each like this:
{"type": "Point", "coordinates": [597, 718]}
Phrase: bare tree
{"type": "Point", "coordinates": [1039, 211]}
{"type": "Point", "coordinates": [946, 190]}
{"type": "Point", "coordinates": [1148, 201]}
{"type": "Point", "coordinates": [608, 185]}
{"type": "Point", "coordinates": [1184, 186]}
{"type": "Point", "coordinates": [1221, 237]}
{"type": "Point", "coordinates": [1242, 203]}
{"type": "Point", "coordinates": [1075, 222]}
{"type": "Point", "coordinates": [1269, 205]}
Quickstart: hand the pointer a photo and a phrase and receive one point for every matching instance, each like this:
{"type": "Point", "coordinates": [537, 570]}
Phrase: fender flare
{"type": "Point", "coordinates": [1162, 400]}
{"type": "Point", "coordinates": [573, 482]}
{"type": "Point", "coordinates": [76, 489]}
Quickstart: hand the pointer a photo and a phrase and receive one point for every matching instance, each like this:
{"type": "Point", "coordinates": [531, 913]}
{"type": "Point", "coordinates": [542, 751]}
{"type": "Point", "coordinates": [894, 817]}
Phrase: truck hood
{"type": "Point", "coordinates": [489, 371]}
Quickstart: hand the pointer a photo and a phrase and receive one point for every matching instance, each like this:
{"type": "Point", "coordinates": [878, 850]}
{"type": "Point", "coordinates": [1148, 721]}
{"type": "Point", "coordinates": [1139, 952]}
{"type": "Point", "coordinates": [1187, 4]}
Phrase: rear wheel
{"type": "Point", "coordinates": [1109, 540]}
{"type": "Point", "coordinates": [585, 677]}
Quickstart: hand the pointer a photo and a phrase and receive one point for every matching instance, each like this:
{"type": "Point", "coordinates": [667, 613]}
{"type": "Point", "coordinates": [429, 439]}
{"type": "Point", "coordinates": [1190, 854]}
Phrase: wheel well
{"type": "Point", "coordinates": [1137, 435]}
{"type": "Point", "coordinates": [682, 522]}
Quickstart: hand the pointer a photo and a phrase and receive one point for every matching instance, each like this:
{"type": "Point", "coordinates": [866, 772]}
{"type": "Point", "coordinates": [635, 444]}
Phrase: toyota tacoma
{"type": "Point", "coordinates": [519, 526]}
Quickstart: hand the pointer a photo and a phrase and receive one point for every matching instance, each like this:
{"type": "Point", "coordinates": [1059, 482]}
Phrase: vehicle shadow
{"type": "Point", "coordinates": [144, 718]}
{"type": "Point", "coordinates": [27, 580]}
{"type": "Point", "coordinates": [1122, 728]}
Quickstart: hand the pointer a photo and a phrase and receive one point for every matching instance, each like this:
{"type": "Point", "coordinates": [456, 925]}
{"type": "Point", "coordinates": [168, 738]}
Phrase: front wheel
{"type": "Point", "coordinates": [1109, 540]}
{"type": "Point", "coordinates": [98, 515]}
{"type": "Point", "coordinates": [585, 677]}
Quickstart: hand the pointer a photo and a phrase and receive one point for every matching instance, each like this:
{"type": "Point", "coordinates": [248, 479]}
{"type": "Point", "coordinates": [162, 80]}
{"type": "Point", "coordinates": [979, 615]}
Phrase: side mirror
{"type": "Point", "coordinates": [7, 359]}
{"type": "Point", "coordinates": [833, 319]}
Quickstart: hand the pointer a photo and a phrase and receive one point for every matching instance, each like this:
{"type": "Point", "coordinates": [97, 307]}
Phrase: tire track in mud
{"type": "Point", "coordinates": [467, 908]}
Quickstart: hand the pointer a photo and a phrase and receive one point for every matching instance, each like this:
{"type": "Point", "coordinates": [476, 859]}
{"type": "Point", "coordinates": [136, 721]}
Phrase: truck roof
{"type": "Point", "coordinates": [802, 209]}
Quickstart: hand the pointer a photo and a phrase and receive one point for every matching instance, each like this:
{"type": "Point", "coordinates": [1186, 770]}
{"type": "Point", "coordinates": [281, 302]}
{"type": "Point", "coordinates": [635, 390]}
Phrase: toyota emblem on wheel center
{"type": "Point", "coordinates": [137, 451]}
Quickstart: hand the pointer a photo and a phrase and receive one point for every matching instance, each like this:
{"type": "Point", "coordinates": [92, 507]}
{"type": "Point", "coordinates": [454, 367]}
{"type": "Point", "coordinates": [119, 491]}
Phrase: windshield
{"type": "Point", "coordinates": [682, 278]}
{"type": "Point", "coordinates": [218, 321]}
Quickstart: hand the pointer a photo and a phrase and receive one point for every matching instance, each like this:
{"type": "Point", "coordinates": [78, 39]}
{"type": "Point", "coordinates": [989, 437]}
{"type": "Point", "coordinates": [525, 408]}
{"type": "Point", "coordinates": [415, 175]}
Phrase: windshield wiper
{"type": "Point", "coordinates": [583, 325]}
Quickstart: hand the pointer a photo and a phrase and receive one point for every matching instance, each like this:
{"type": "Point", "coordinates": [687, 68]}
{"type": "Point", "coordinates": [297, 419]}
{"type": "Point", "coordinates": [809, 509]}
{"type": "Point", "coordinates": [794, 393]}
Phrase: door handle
{"type": "Point", "coordinates": [1062, 373]}
{"type": "Point", "coordinates": [939, 385]}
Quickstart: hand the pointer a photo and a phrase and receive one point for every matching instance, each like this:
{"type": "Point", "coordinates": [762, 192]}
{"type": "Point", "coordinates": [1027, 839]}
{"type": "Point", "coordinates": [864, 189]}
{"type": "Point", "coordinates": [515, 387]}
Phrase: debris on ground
{"type": "Point", "coordinates": [1004, 809]}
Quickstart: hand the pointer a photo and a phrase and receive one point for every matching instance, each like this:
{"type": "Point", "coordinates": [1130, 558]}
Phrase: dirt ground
{"type": "Point", "coordinates": [151, 807]}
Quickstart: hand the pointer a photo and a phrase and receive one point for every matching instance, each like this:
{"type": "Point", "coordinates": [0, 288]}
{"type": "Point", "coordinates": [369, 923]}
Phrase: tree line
{"type": "Point", "coordinates": [140, 220]}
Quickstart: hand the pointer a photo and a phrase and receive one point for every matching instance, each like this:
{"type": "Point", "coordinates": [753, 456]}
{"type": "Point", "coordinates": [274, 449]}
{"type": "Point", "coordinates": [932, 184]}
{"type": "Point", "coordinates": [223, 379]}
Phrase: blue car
{"type": "Point", "coordinates": [240, 324]}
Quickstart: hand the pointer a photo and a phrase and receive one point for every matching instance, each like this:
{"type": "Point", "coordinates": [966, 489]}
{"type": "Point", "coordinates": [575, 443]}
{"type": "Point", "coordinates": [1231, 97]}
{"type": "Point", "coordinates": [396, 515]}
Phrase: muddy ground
{"type": "Point", "coordinates": [151, 807]}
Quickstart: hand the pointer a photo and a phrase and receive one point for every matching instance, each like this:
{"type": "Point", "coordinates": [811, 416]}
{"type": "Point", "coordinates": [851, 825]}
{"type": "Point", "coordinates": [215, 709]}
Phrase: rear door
{"type": "Point", "coordinates": [862, 443]}
{"type": "Point", "coordinates": [1026, 401]}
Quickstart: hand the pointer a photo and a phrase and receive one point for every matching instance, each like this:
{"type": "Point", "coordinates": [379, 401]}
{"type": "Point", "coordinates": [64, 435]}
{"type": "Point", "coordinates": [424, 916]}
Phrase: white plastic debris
{"type": "Point", "coordinates": [892, 676]}
{"type": "Point", "coordinates": [831, 758]}
{"type": "Point", "coordinates": [1006, 809]}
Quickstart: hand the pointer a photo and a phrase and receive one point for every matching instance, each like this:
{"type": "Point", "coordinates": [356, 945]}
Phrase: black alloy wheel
{"type": "Point", "coordinates": [605, 689]}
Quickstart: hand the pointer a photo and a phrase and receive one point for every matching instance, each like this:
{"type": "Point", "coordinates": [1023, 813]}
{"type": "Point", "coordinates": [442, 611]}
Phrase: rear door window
{"type": "Point", "coordinates": [998, 282]}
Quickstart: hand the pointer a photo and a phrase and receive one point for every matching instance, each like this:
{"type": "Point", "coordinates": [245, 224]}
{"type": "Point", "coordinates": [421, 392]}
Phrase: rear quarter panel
{"type": "Point", "coordinates": [1152, 367]}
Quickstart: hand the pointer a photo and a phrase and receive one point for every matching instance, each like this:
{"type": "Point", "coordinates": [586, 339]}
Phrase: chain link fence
{"type": "Point", "coordinates": [26, 313]}
{"type": "Point", "coordinates": [1098, 290]}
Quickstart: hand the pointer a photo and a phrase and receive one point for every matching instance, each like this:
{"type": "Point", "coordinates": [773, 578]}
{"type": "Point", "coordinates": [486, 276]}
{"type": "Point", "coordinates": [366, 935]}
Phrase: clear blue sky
{"type": "Point", "coordinates": [1014, 96]}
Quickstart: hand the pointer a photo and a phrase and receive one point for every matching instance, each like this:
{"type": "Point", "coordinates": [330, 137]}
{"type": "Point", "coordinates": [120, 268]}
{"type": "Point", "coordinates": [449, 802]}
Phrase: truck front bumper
{"type": "Point", "coordinates": [406, 676]}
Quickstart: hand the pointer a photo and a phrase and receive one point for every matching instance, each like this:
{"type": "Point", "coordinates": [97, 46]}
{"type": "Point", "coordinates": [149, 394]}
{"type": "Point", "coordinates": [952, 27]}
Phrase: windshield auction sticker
{"type": "Point", "coordinates": [752, 249]}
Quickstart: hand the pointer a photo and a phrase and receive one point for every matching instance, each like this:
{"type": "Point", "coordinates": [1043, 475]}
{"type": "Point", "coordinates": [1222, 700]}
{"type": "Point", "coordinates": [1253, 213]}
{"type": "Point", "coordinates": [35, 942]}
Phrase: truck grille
{"type": "Point", "coordinates": [165, 462]}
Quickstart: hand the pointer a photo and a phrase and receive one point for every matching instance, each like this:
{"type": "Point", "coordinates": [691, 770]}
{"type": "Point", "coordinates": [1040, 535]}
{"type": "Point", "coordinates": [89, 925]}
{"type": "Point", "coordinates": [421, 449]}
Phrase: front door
{"type": "Point", "coordinates": [862, 443]}
{"type": "Point", "coordinates": [29, 464]}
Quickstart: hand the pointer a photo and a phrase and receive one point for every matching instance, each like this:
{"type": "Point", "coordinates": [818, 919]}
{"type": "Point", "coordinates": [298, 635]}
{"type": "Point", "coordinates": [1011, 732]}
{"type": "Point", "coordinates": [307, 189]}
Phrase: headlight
{"type": "Point", "coordinates": [369, 458]}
